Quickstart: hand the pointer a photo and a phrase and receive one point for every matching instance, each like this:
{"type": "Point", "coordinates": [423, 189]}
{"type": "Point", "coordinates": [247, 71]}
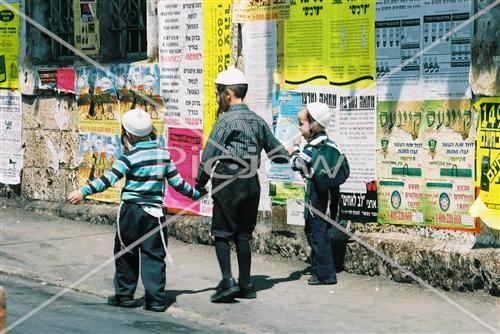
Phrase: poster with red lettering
{"type": "Point", "coordinates": [184, 146]}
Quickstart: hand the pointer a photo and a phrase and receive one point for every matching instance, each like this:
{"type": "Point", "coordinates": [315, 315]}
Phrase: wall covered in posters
{"type": "Point", "coordinates": [425, 124]}
{"type": "Point", "coordinates": [394, 73]}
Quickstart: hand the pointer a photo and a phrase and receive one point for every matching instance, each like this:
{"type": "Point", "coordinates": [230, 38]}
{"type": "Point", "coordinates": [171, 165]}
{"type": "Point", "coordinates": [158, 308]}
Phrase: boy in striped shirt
{"type": "Point", "coordinates": [145, 167]}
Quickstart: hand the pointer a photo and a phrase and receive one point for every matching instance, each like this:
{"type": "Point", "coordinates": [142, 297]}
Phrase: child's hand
{"type": "Point", "coordinates": [297, 139]}
{"type": "Point", "coordinates": [75, 197]}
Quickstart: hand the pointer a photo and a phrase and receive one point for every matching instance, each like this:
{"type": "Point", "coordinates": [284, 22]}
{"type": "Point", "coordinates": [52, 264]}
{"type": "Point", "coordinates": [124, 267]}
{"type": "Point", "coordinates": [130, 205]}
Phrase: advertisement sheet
{"type": "Point", "coordinates": [65, 79]}
{"type": "Point", "coordinates": [46, 78]}
{"type": "Point", "coordinates": [353, 129]}
{"type": "Point", "coordinates": [99, 109]}
{"type": "Point", "coordinates": [288, 105]}
{"type": "Point", "coordinates": [86, 27]}
{"type": "Point", "coordinates": [11, 153]}
{"type": "Point", "coordinates": [9, 46]}
{"type": "Point", "coordinates": [398, 40]}
{"type": "Point", "coordinates": [449, 171]}
{"type": "Point", "coordinates": [445, 67]}
{"type": "Point", "coordinates": [401, 157]}
{"type": "Point", "coordinates": [184, 146]}
{"type": "Point", "coordinates": [355, 135]}
{"type": "Point", "coordinates": [330, 44]}
{"type": "Point", "coordinates": [259, 52]}
{"type": "Point", "coordinates": [260, 10]}
{"type": "Point", "coordinates": [488, 159]}
{"type": "Point", "coordinates": [142, 91]}
{"type": "Point", "coordinates": [181, 59]}
{"type": "Point", "coordinates": [217, 23]}
{"type": "Point", "coordinates": [97, 154]}
{"type": "Point", "coordinates": [9, 28]}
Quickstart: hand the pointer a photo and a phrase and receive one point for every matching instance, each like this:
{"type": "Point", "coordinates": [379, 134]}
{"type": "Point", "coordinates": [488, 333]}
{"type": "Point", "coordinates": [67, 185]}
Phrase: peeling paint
{"type": "Point", "coordinates": [61, 118]}
{"type": "Point", "coordinates": [57, 156]}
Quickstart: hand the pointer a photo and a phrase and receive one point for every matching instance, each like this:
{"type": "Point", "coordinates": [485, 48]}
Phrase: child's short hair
{"type": "Point", "coordinates": [239, 90]}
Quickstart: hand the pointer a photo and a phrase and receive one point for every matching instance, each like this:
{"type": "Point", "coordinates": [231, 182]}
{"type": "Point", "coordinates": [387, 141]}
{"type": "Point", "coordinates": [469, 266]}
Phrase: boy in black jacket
{"type": "Point", "coordinates": [313, 119]}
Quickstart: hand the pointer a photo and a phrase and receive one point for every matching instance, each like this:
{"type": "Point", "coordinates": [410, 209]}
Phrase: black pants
{"type": "Point", "coordinates": [321, 257]}
{"type": "Point", "coordinates": [235, 204]}
{"type": "Point", "coordinates": [134, 223]}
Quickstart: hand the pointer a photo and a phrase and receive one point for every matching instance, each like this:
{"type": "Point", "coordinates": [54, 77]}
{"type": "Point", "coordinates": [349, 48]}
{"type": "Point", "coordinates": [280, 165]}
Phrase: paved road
{"type": "Point", "coordinates": [77, 313]}
{"type": "Point", "coordinates": [62, 251]}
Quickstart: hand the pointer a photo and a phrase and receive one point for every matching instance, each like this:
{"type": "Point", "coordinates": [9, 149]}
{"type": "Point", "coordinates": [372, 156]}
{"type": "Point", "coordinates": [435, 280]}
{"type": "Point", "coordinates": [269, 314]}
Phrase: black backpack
{"type": "Point", "coordinates": [330, 168]}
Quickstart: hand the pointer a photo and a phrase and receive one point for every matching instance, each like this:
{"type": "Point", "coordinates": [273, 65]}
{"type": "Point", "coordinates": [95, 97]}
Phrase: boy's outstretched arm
{"type": "Point", "coordinates": [179, 184]}
{"type": "Point", "coordinates": [120, 168]}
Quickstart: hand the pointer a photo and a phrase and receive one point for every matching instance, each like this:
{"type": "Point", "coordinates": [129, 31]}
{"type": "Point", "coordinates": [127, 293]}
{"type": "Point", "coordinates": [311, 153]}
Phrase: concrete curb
{"type": "Point", "coordinates": [446, 264]}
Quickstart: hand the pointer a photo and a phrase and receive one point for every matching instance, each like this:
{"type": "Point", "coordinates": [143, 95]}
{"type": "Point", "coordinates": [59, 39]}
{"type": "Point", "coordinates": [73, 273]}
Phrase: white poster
{"type": "Point", "coordinates": [181, 62]}
{"type": "Point", "coordinates": [259, 52]}
{"type": "Point", "coordinates": [353, 129]}
{"type": "Point", "coordinates": [446, 65]}
{"type": "Point", "coordinates": [398, 28]}
{"type": "Point", "coordinates": [11, 153]}
{"type": "Point", "coordinates": [295, 212]}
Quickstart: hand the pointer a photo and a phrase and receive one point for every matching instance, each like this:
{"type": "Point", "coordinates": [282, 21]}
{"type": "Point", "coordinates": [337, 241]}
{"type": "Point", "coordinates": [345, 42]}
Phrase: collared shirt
{"type": "Point", "coordinates": [145, 168]}
{"type": "Point", "coordinates": [239, 135]}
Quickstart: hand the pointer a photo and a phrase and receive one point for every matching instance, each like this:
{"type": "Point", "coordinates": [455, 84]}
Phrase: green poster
{"type": "Point", "coordinates": [449, 171]}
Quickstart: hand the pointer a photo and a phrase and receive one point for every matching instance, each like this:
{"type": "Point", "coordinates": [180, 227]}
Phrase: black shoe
{"type": "Point", "coordinates": [155, 308]}
{"type": "Point", "coordinates": [313, 280]}
{"type": "Point", "coordinates": [226, 289]}
{"type": "Point", "coordinates": [114, 300]}
{"type": "Point", "coordinates": [247, 291]}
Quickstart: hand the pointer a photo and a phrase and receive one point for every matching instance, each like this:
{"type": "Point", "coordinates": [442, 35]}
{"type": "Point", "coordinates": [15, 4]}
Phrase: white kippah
{"type": "Point", "coordinates": [231, 76]}
{"type": "Point", "coordinates": [320, 112]}
{"type": "Point", "coordinates": [137, 122]}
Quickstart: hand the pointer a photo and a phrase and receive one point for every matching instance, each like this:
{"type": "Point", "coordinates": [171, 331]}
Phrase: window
{"type": "Point", "coordinates": [60, 20]}
{"type": "Point", "coordinates": [128, 26]}
{"type": "Point", "coordinates": [122, 29]}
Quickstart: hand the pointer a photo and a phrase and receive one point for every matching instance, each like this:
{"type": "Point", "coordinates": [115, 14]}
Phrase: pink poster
{"type": "Point", "coordinates": [66, 79]}
{"type": "Point", "coordinates": [184, 146]}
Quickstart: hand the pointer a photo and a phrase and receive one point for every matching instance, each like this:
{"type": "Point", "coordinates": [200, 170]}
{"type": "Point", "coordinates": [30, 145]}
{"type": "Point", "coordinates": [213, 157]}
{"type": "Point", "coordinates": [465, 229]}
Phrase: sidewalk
{"type": "Point", "coordinates": [58, 251]}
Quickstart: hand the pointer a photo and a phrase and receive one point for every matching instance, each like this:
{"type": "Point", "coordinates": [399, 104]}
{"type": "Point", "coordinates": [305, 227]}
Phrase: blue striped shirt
{"type": "Point", "coordinates": [145, 168]}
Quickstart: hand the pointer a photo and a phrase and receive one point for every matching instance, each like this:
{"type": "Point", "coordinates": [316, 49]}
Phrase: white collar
{"type": "Point", "coordinates": [318, 140]}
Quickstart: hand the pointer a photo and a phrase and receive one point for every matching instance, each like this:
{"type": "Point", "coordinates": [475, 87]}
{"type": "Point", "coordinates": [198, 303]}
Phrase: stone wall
{"type": "Point", "coordinates": [50, 138]}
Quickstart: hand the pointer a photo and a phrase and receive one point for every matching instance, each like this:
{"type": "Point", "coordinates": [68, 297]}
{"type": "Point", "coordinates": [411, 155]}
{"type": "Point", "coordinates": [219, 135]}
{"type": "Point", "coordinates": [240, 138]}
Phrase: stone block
{"type": "Point", "coordinates": [42, 148]}
{"type": "Point", "coordinates": [69, 144]}
{"type": "Point", "coordinates": [44, 184]}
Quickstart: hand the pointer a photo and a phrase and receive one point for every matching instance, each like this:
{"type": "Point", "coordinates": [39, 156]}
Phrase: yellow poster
{"type": "Point", "coordinates": [9, 47]}
{"type": "Point", "coordinates": [488, 160]}
{"type": "Point", "coordinates": [9, 72]}
{"type": "Point", "coordinates": [217, 54]}
{"type": "Point", "coordinates": [9, 29]}
{"type": "Point", "coordinates": [86, 26]}
{"type": "Point", "coordinates": [97, 154]}
{"type": "Point", "coordinates": [330, 43]}
{"type": "Point", "coordinates": [449, 168]}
